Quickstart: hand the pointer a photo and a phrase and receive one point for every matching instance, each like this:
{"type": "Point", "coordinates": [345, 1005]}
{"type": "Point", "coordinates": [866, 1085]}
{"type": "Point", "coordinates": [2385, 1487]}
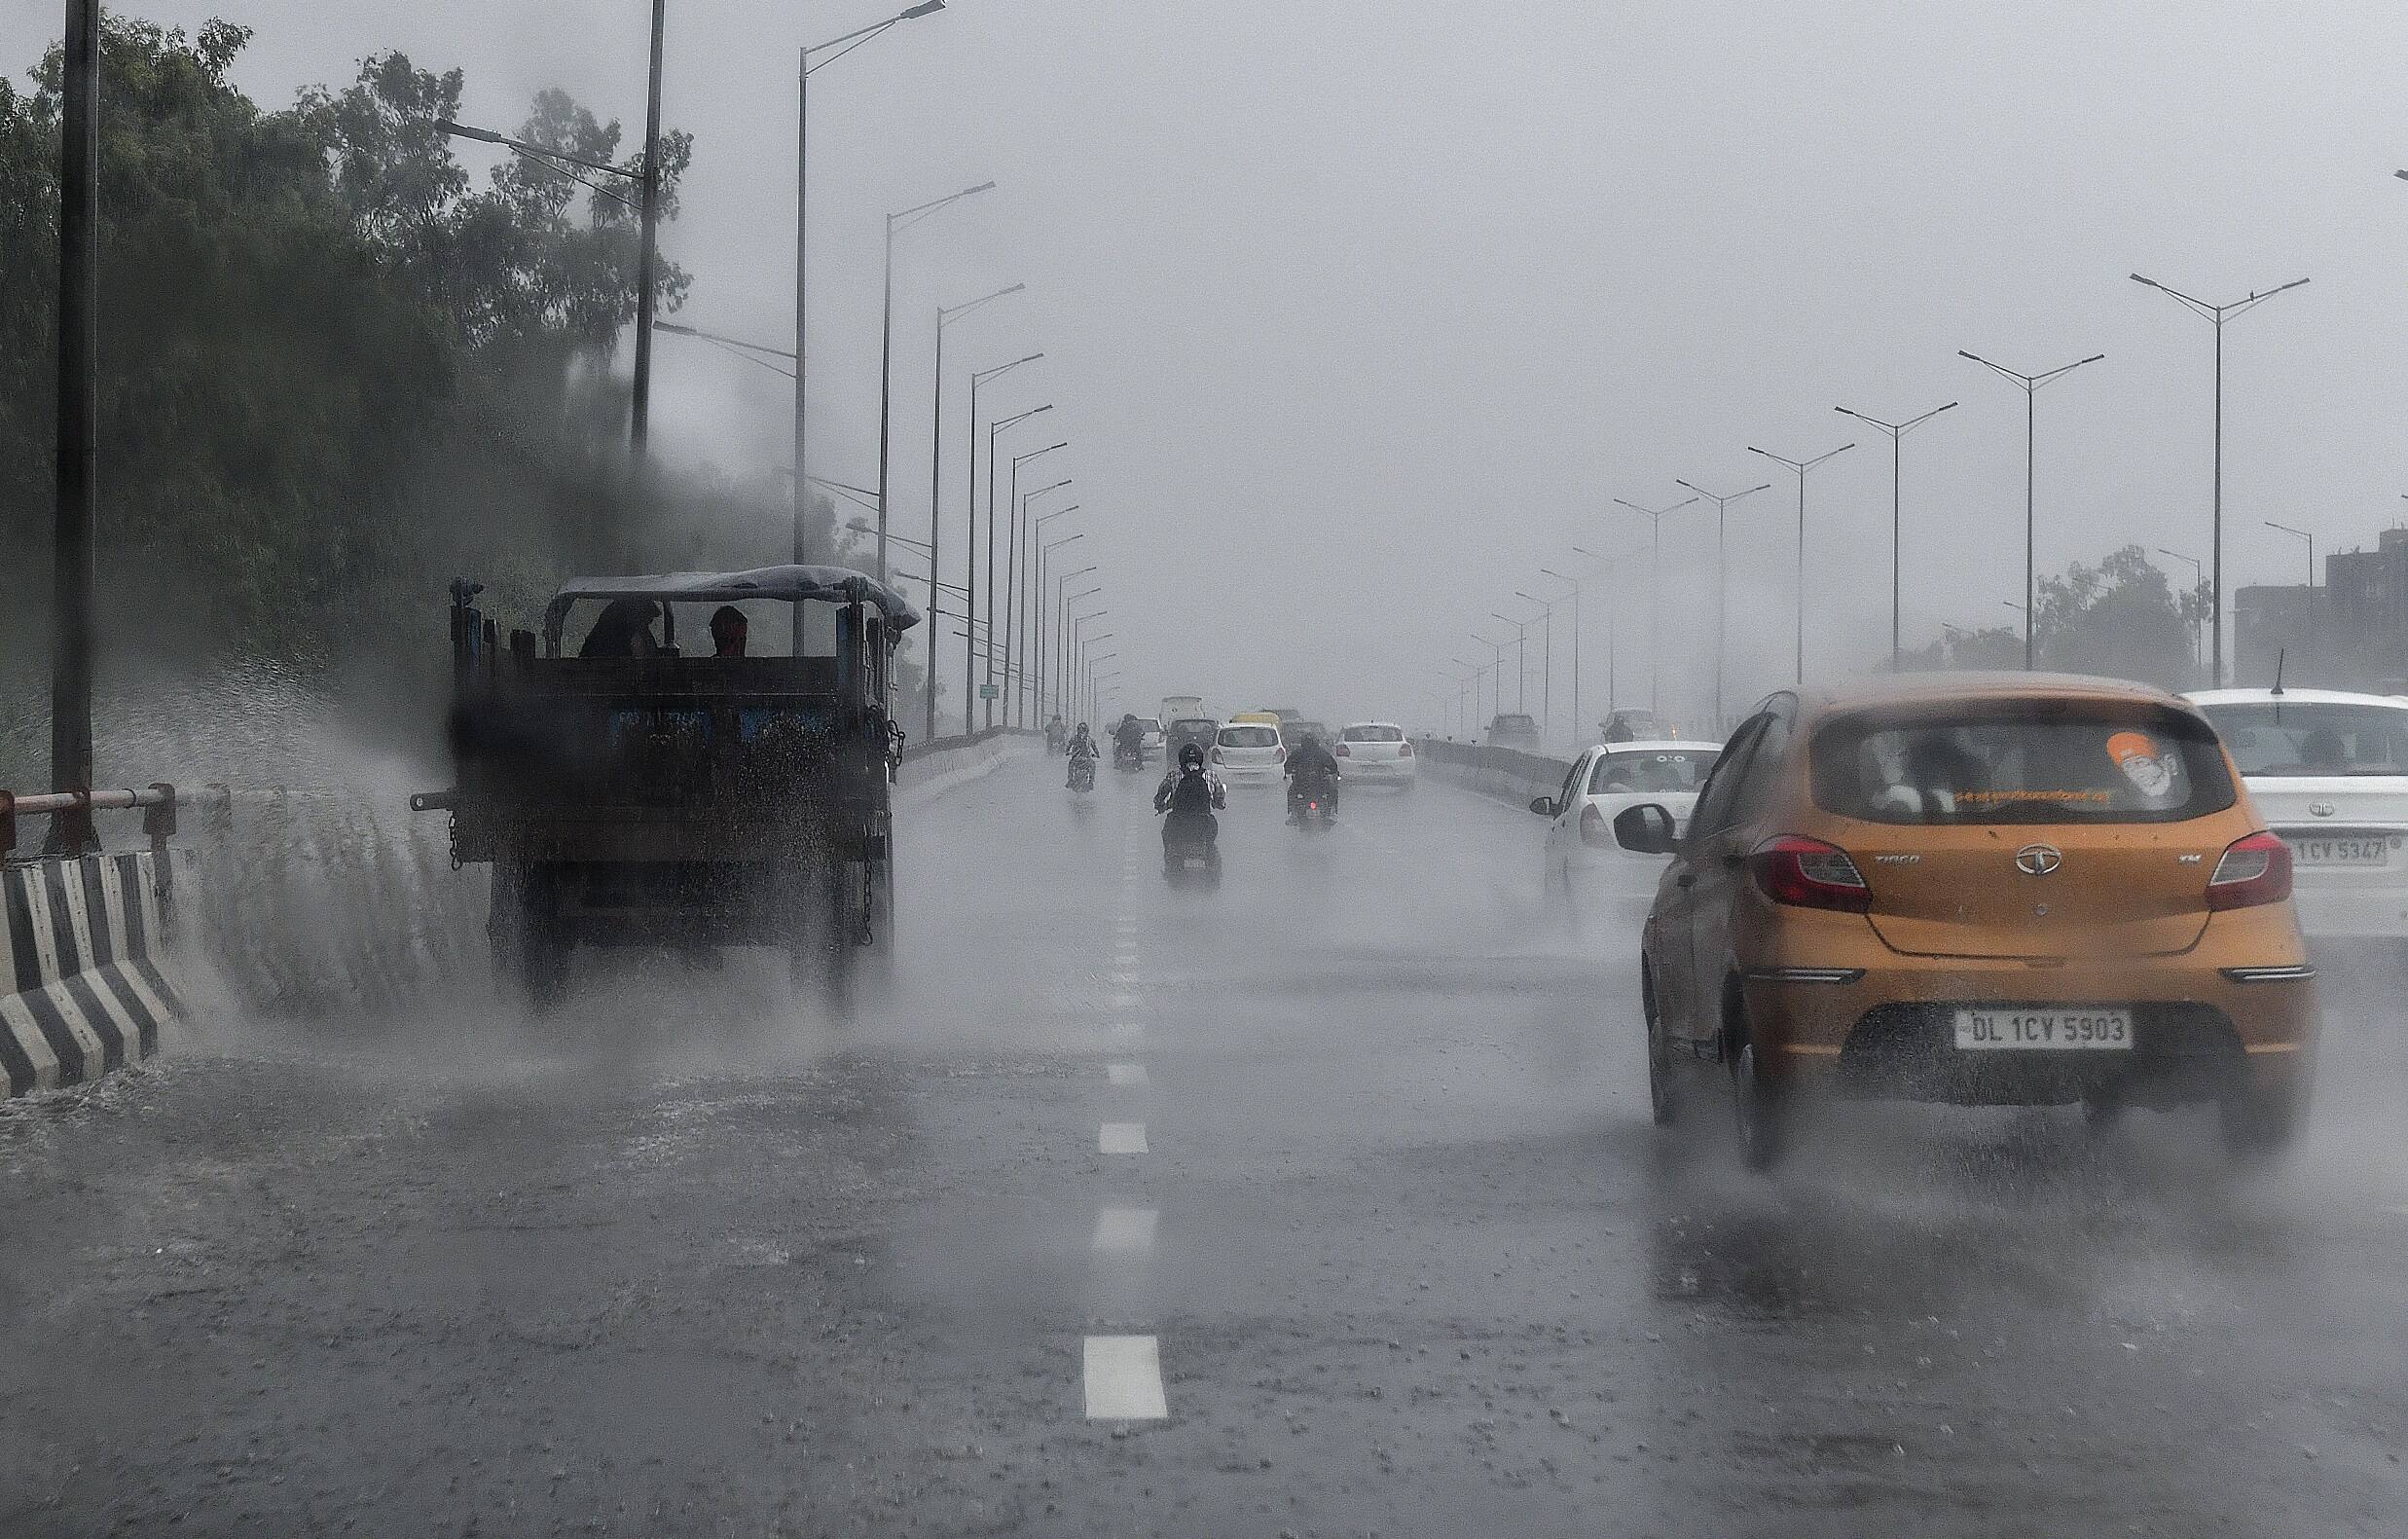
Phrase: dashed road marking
{"type": "Point", "coordinates": [1125, 1230]}
{"type": "Point", "coordinates": [1121, 1138]}
{"type": "Point", "coordinates": [1126, 1074]}
{"type": "Point", "coordinates": [1124, 1378]}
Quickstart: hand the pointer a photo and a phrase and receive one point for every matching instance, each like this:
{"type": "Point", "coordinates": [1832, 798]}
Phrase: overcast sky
{"type": "Point", "coordinates": [1358, 314]}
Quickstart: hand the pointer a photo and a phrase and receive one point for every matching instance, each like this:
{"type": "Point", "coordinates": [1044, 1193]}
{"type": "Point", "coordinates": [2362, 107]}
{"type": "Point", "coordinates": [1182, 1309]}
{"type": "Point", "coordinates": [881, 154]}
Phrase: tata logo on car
{"type": "Point", "coordinates": [2038, 859]}
{"type": "Point", "coordinates": [2321, 809]}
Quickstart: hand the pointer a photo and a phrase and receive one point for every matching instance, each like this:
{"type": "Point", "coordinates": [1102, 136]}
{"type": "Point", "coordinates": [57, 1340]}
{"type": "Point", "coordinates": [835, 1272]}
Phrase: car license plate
{"type": "Point", "coordinates": [2012, 1030]}
{"type": "Point", "coordinates": [2374, 849]}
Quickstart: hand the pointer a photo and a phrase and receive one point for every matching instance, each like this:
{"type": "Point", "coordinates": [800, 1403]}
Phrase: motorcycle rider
{"type": "Point", "coordinates": [1055, 734]}
{"type": "Point", "coordinates": [1190, 795]}
{"type": "Point", "coordinates": [1311, 765]}
{"type": "Point", "coordinates": [1082, 746]}
{"type": "Point", "coordinates": [1129, 739]}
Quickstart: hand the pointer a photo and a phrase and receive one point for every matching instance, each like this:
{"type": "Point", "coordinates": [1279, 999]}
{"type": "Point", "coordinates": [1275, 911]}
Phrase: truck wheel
{"type": "Point", "coordinates": [523, 925]}
{"type": "Point", "coordinates": [828, 929]}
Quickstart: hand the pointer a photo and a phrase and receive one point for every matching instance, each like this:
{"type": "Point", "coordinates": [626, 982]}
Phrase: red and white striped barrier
{"type": "Point", "coordinates": [83, 988]}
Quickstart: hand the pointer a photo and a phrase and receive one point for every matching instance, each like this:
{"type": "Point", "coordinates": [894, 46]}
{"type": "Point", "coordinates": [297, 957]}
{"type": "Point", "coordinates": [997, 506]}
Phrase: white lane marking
{"type": "Point", "coordinates": [1121, 1138]}
{"type": "Point", "coordinates": [1126, 1074]}
{"type": "Point", "coordinates": [1123, 1230]}
{"type": "Point", "coordinates": [1124, 1378]}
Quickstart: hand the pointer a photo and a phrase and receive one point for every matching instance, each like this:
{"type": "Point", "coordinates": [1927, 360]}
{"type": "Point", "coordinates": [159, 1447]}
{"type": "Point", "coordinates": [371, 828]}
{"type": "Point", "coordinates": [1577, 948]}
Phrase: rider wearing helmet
{"type": "Point", "coordinates": [1081, 747]}
{"type": "Point", "coordinates": [1308, 766]}
{"type": "Point", "coordinates": [1189, 790]}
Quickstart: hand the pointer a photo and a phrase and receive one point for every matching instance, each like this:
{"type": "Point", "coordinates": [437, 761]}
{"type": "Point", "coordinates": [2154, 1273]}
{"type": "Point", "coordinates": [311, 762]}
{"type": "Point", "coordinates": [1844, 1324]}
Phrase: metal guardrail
{"type": "Point", "coordinates": [160, 802]}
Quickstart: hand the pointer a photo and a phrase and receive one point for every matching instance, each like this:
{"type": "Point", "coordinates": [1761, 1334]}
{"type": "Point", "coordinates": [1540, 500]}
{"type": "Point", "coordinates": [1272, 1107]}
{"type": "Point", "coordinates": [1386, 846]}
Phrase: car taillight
{"type": "Point", "coordinates": [1405, 750]}
{"type": "Point", "coordinates": [1217, 758]}
{"type": "Point", "coordinates": [1345, 752]}
{"type": "Point", "coordinates": [2254, 870]}
{"type": "Point", "coordinates": [1280, 753]}
{"type": "Point", "coordinates": [1594, 828]}
{"type": "Point", "coordinates": [1807, 873]}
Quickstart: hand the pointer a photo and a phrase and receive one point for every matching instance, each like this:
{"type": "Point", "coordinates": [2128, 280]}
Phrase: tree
{"type": "Point", "coordinates": [2119, 617]}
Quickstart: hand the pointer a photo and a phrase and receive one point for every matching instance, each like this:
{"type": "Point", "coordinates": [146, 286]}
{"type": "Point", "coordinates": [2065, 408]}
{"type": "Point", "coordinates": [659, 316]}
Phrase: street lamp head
{"type": "Point", "coordinates": [924, 8]}
{"type": "Point", "coordinates": [2147, 281]}
{"type": "Point", "coordinates": [982, 187]}
{"type": "Point", "coordinates": [461, 131]}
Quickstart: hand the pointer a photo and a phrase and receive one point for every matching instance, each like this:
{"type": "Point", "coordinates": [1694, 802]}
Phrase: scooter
{"type": "Point", "coordinates": [1190, 854]}
{"type": "Point", "coordinates": [1128, 756]}
{"type": "Point", "coordinates": [1082, 773]}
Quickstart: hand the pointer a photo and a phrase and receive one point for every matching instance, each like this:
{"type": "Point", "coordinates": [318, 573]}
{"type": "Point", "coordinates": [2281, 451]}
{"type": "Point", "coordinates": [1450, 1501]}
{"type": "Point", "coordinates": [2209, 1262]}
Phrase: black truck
{"type": "Point", "coordinates": [639, 793]}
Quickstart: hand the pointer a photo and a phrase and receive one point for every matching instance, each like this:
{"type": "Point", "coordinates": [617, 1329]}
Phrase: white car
{"type": "Point", "coordinates": [1375, 753]}
{"type": "Point", "coordinates": [2329, 771]}
{"type": "Point", "coordinates": [1250, 754]}
{"type": "Point", "coordinates": [1580, 847]}
{"type": "Point", "coordinates": [1148, 739]}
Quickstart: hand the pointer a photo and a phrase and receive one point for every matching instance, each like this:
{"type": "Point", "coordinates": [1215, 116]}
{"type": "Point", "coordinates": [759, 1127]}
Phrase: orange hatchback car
{"type": "Point", "coordinates": [1983, 889]}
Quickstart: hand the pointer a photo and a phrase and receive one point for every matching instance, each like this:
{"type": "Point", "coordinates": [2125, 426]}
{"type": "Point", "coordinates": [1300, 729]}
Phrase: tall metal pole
{"type": "Point", "coordinates": [2217, 500]}
{"type": "Point", "coordinates": [639, 423]}
{"type": "Point", "coordinates": [885, 390]}
{"type": "Point", "coordinates": [937, 522]}
{"type": "Point", "coordinates": [1722, 583]}
{"type": "Point", "coordinates": [2030, 383]}
{"type": "Point", "coordinates": [1800, 467]}
{"type": "Point", "coordinates": [1897, 434]}
{"type": "Point", "coordinates": [74, 634]}
{"type": "Point", "coordinates": [1655, 594]}
{"type": "Point", "coordinates": [802, 343]}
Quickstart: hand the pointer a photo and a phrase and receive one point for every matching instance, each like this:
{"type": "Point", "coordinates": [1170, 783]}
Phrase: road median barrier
{"type": "Point", "coordinates": [84, 982]}
{"type": "Point", "coordinates": [1507, 775]}
{"type": "Point", "coordinates": [929, 769]}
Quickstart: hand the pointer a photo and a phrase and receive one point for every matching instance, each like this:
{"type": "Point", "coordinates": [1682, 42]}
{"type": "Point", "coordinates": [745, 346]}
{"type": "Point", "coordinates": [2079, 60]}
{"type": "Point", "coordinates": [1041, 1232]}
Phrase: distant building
{"type": "Point", "coordinates": [2366, 594]}
{"type": "Point", "coordinates": [2352, 635]}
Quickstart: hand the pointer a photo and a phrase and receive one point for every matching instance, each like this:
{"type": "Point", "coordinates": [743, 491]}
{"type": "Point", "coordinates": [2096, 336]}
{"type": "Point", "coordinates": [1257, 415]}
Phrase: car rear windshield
{"type": "Point", "coordinates": [1195, 726]}
{"type": "Point", "coordinates": [1371, 735]}
{"type": "Point", "coordinates": [2331, 738]}
{"type": "Point", "coordinates": [1653, 769]}
{"type": "Point", "coordinates": [1249, 737]}
{"type": "Point", "coordinates": [1148, 724]}
{"type": "Point", "coordinates": [2020, 762]}
{"type": "Point", "coordinates": [1514, 724]}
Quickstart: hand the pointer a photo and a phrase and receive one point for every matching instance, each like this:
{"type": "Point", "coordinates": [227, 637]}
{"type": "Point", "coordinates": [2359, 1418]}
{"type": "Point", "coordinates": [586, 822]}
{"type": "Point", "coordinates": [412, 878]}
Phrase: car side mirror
{"type": "Point", "coordinates": [1645, 830]}
{"type": "Point", "coordinates": [1543, 806]}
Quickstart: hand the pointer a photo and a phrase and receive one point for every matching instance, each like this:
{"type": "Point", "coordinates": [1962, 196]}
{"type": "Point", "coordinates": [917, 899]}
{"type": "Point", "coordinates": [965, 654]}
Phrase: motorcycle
{"type": "Point", "coordinates": [1190, 854]}
{"type": "Point", "coordinates": [1128, 757]}
{"type": "Point", "coordinates": [1082, 773]}
{"type": "Point", "coordinates": [1313, 805]}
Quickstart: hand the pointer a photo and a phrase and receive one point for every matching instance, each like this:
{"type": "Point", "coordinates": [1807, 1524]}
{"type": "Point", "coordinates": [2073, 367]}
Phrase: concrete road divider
{"type": "Point", "coordinates": [83, 987]}
{"type": "Point", "coordinates": [1507, 774]}
{"type": "Point", "coordinates": [930, 768]}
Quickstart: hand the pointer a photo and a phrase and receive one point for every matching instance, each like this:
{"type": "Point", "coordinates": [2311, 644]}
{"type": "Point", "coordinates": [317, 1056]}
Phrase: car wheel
{"type": "Point", "coordinates": [1761, 1118]}
{"type": "Point", "coordinates": [1663, 1091]}
{"type": "Point", "coordinates": [2259, 1124]}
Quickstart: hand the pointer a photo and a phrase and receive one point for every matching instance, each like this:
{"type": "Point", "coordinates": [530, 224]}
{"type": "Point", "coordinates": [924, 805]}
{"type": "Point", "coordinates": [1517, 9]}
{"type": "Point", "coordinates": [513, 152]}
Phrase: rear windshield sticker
{"type": "Point", "coordinates": [2143, 763]}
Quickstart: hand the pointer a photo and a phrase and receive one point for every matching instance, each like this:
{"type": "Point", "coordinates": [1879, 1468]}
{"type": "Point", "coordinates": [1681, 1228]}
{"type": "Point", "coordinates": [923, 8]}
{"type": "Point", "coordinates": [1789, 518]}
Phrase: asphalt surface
{"type": "Point", "coordinates": [1408, 1253]}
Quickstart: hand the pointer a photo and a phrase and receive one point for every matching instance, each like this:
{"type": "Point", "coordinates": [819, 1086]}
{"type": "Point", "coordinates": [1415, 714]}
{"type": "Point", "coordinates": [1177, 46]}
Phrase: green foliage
{"type": "Point", "coordinates": [2120, 617]}
{"type": "Point", "coordinates": [334, 371]}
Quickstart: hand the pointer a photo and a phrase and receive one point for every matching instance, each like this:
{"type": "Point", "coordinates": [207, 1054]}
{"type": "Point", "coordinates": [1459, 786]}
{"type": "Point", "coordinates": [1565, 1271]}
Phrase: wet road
{"type": "Point", "coordinates": [1384, 1212]}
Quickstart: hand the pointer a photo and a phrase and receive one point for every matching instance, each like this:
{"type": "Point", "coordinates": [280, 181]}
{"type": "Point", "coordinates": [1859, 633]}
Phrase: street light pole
{"type": "Point", "coordinates": [1015, 583]}
{"type": "Point", "coordinates": [946, 315]}
{"type": "Point", "coordinates": [1575, 585]}
{"type": "Point", "coordinates": [2310, 600]}
{"type": "Point", "coordinates": [1037, 650]}
{"type": "Point", "coordinates": [802, 207]}
{"type": "Point", "coordinates": [1654, 595]}
{"type": "Point", "coordinates": [2199, 580]}
{"type": "Point", "coordinates": [2031, 384]}
{"type": "Point", "coordinates": [1722, 580]}
{"type": "Point", "coordinates": [1547, 659]}
{"type": "Point", "coordinates": [1897, 432]}
{"type": "Point", "coordinates": [970, 516]}
{"type": "Point", "coordinates": [2218, 315]}
{"type": "Point", "coordinates": [1801, 467]}
{"type": "Point", "coordinates": [73, 549]}
{"type": "Point", "coordinates": [993, 431]}
{"type": "Point", "coordinates": [1521, 657]}
{"type": "Point", "coordinates": [1062, 600]}
{"type": "Point", "coordinates": [640, 397]}
{"type": "Point", "coordinates": [1000, 636]}
{"type": "Point", "coordinates": [896, 223]}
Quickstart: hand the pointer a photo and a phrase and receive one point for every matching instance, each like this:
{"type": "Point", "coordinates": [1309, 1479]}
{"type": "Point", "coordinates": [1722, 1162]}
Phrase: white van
{"type": "Point", "coordinates": [1180, 708]}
